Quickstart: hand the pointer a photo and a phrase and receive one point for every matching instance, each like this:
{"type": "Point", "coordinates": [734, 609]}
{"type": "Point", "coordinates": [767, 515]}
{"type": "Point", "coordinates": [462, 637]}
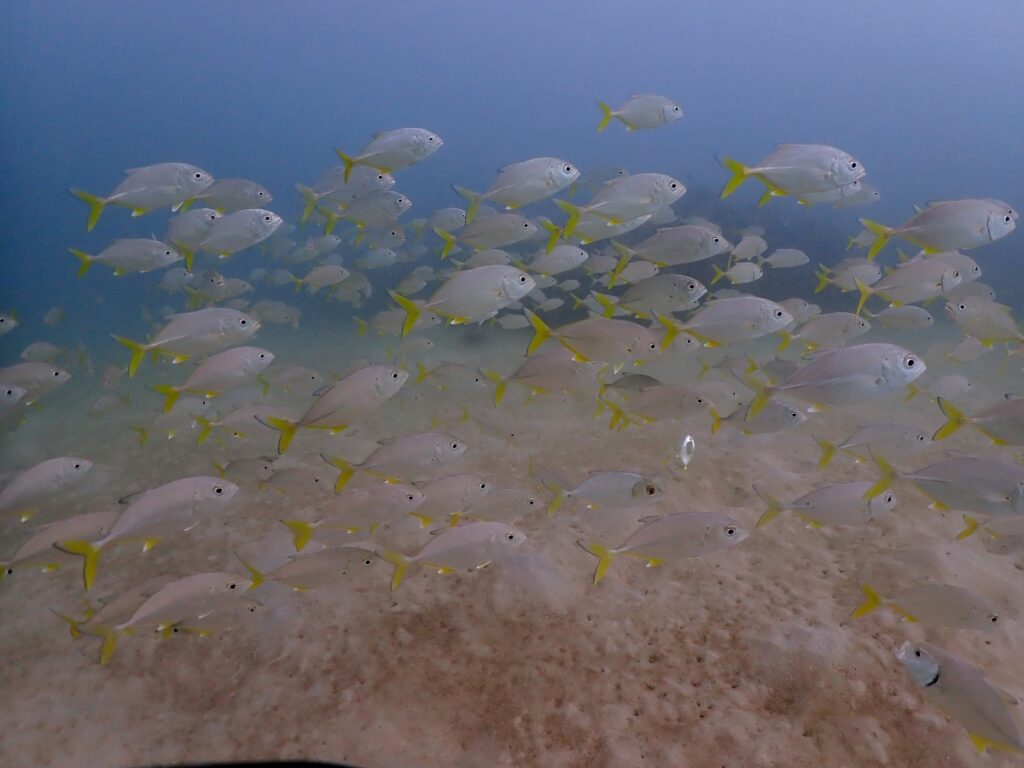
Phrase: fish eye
{"type": "Point", "coordinates": [430, 138]}
{"type": "Point", "coordinates": [455, 446]}
{"type": "Point", "coordinates": [853, 164]}
{"type": "Point", "coordinates": [522, 278]}
{"type": "Point", "coordinates": [410, 497]}
{"type": "Point", "coordinates": [10, 571]}
{"type": "Point", "coordinates": [526, 225]}
{"type": "Point", "coordinates": [716, 240]}
{"type": "Point", "coordinates": [218, 490]}
{"type": "Point", "coordinates": [260, 193]}
{"type": "Point", "coordinates": [675, 109]}
{"type": "Point", "coordinates": [779, 313]}
{"type": "Point", "coordinates": [863, 324]}
{"type": "Point", "coordinates": [920, 438]}
{"type": "Point", "coordinates": [651, 490]}
{"type": "Point", "coordinates": [956, 273]}
{"type": "Point", "coordinates": [1007, 218]}
{"type": "Point", "coordinates": [917, 653]}
{"type": "Point", "coordinates": [730, 531]}
{"type": "Point", "coordinates": [888, 499]}
{"type": "Point", "coordinates": [56, 373]}
{"type": "Point", "coordinates": [395, 375]}
{"type": "Point", "coordinates": [510, 536]}
{"type": "Point", "coordinates": [262, 356]}
{"type": "Point", "coordinates": [911, 362]}
{"type": "Point", "coordinates": [483, 486]}
{"type": "Point", "coordinates": [962, 307]}
{"type": "Point", "coordinates": [700, 400]}
{"type": "Point", "coordinates": [77, 465]}
{"type": "Point", "coordinates": [167, 253]}
{"type": "Point", "coordinates": [198, 175]}
{"type": "Point", "coordinates": [380, 177]}
{"type": "Point", "coordinates": [568, 169]}
{"type": "Point", "coordinates": [266, 218]}
{"type": "Point", "coordinates": [367, 561]}
{"type": "Point", "coordinates": [672, 185]}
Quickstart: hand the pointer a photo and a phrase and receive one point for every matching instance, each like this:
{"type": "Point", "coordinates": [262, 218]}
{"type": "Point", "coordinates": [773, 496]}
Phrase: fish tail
{"type": "Point", "coordinates": [205, 427]}
{"type": "Point", "coordinates": [739, 171]}
{"type": "Point", "coordinates": [607, 113]}
{"type": "Point", "coordinates": [309, 201]}
{"type": "Point", "coordinates": [412, 311]}
{"type": "Point", "coordinates": [541, 332]}
{"type": "Point", "coordinates": [618, 415]}
{"type": "Point", "coordinates": [558, 495]}
{"type": "Point", "coordinates": [824, 278]}
{"type": "Point", "coordinates": [348, 161]}
{"type": "Point", "coordinates": [171, 395]}
{"type": "Point", "coordinates": [865, 294]}
{"type": "Point", "coordinates": [672, 329]}
{"type": "Point", "coordinates": [574, 217]}
{"type": "Point", "coordinates": [401, 563]}
{"type": "Point", "coordinates": [109, 645]}
{"type": "Point", "coordinates": [912, 391]}
{"type": "Point", "coordinates": [285, 427]}
{"type": "Point", "coordinates": [624, 256]}
{"type": "Point", "coordinates": [886, 476]}
{"type": "Point", "coordinates": [871, 602]}
{"type": "Point", "coordinates": [785, 339]}
{"type": "Point", "coordinates": [577, 302]}
{"type": "Point", "coordinates": [716, 419]}
{"type": "Point", "coordinates": [773, 509]}
{"type": "Point", "coordinates": [956, 419]}
{"type": "Point", "coordinates": [83, 257]}
{"type": "Point", "coordinates": [765, 198]}
{"type": "Point", "coordinates": [87, 550]}
{"type": "Point", "coordinates": [360, 326]}
{"type": "Point", "coordinates": [345, 470]}
{"type": "Point", "coordinates": [606, 301]}
{"type": "Point", "coordinates": [188, 253]}
{"type": "Point", "coordinates": [302, 532]}
{"type": "Point", "coordinates": [882, 234]}
{"type": "Point", "coordinates": [296, 284]}
{"type": "Point", "coordinates": [604, 558]}
{"type": "Point", "coordinates": [255, 575]}
{"type": "Point", "coordinates": [473, 200]}
{"type": "Point", "coordinates": [73, 624]}
{"type": "Point", "coordinates": [449, 241]}
{"type": "Point", "coordinates": [96, 205]}
{"type": "Point", "coordinates": [331, 219]}
{"type": "Point", "coordinates": [719, 274]}
{"type": "Point", "coordinates": [422, 373]}
{"type": "Point", "coordinates": [500, 385]}
{"type": "Point", "coordinates": [762, 395]}
{"type": "Point", "coordinates": [143, 434]}
{"type": "Point", "coordinates": [971, 524]}
{"type": "Point", "coordinates": [554, 234]}
{"type": "Point", "coordinates": [828, 452]}
{"type": "Point", "coordinates": [138, 352]}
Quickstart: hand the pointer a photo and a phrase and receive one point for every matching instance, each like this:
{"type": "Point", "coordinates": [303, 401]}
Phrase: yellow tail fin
{"type": "Point", "coordinates": [309, 201]}
{"type": "Point", "coordinates": [739, 171]}
{"type": "Point", "coordinates": [608, 302]}
{"type": "Point", "coordinates": [828, 451]}
{"type": "Point", "coordinates": [716, 420]}
{"type": "Point", "coordinates": [574, 217]}
{"type": "Point", "coordinates": [971, 524]}
{"type": "Point", "coordinates": [604, 558]}
{"type": "Point", "coordinates": [871, 602]}
{"type": "Point", "coordinates": [72, 623]}
{"type": "Point", "coordinates": [541, 332]}
{"type": "Point", "coordinates": [84, 258]}
{"type": "Point", "coordinates": [422, 373]}
{"type": "Point", "coordinates": [554, 233]}
{"type": "Point", "coordinates": [256, 576]}
{"type": "Point", "coordinates": [449, 241]}
{"type": "Point", "coordinates": [956, 419]}
{"type": "Point", "coordinates": [473, 200]}
{"type": "Point", "coordinates": [773, 510]}
{"type": "Point", "coordinates": [719, 274]}
{"type": "Point", "coordinates": [886, 475]}
{"type": "Point", "coordinates": [96, 205]}
{"type": "Point", "coordinates": [865, 294]}
{"type": "Point", "coordinates": [824, 279]}
{"type": "Point", "coordinates": [348, 161]}
{"type": "Point", "coordinates": [87, 550]}
{"type": "Point", "coordinates": [500, 385]}
{"type": "Point", "coordinates": [882, 234]}
{"type": "Point", "coordinates": [785, 339]}
{"type": "Point", "coordinates": [285, 427]}
{"type": "Point", "coordinates": [672, 329]}
{"type": "Point", "coordinates": [361, 326]}
{"type": "Point", "coordinates": [171, 395]}
{"type": "Point", "coordinates": [761, 397]}
{"type": "Point", "coordinates": [607, 113]}
{"type": "Point", "coordinates": [401, 563]}
{"type": "Point", "coordinates": [412, 311]}
{"type": "Point", "coordinates": [205, 427]}
{"type": "Point", "coordinates": [301, 533]}
{"type": "Point", "coordinates": [138, 352]}
{"type": "Point", "coordinates": [345, 471]}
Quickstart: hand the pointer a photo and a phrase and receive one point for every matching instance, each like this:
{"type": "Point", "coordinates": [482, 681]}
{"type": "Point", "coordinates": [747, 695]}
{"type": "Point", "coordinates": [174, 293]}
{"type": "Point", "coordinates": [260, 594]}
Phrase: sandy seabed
{"type": "Point", "coordinates": [744, 658]}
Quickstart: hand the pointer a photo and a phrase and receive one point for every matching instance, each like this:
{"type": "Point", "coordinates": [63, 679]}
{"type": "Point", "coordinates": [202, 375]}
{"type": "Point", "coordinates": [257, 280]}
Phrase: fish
{"type": "Point", "coordinates": [500, 505]}
{"type": "Point", "coordinates": [219, 373]}
{"type": "Point", "coordinates": [203, 331]}
{"type": "Point", "coordinates": [42, 482]}
{"type": "Point", "coordinates": [729, 320]}
{"type": "Point", "coordinates": [405, 457]}
{"type": "Point", "coordinates": [661, 294]}
{"type": "Point", "coordinates": [912, 282]}
{"type": "Point", "coordinates": [774, 417]}
{"type": "Point", "coordinates": [739, 274]}
{"type": "Point", "coordinates": [171, 507]}
{"type": "Point", "coordinates": [886, 439]}
{"type": "Point", "coordinates": [906, 318]}
{"type": "Point", "coordinates": [390, 151]}
{"type": "Point", "coordinates": [785, 258]}
{"type": "Point", "coordinates": [609, 490]}
{"type": "Point", "coordinates": [600, 339]}
{"type": "Point", "coordinates": [750, 247]}
{"type": "Point", "coordinates": [551, 370]}
{"type": "Point", "coordinates": [673, 246]}
{"type": "Point", "coordinates": [341, 403]}
{"type": "Point", "coordinates": [324, 276]}
{"type": "Point", "coordinates": [640, 112]}
{"type": "Point", "coordinates": [237, 231]}
{"type": "Point", "coordinates": [986, 321]}
{"type": "Point", "coordinates": [623, 199]}
{"type": "Point", "coordinates": [563, 258]}
{"type": "Point", "coordinates": [520, 184]}
{"type": "Point", "coordinates": [322, 568]}
{"type": "Point", "coordinates": [230, 195]}
{"type": "Point", "coordinates": [963, 694]}
{"type": "Point", "coordinates": [670, 537]}
{"type": "Point", "coordinates": [940, 605]}
{"type": "Point", "coordinates": [1002, 423]}
{"type": "Point", "coordinates": [796, 169]}
{"type": "Point", "coordinates": [470, 546]}
{"type": "Point", "coordinates": [488, 233]}
{"type": "Point", "coordinates": [828, 505]}
{"type": "Point", "coordinates": [37, 379]}
{"type": "Point", "coordinates": [948, 225]}
{"type": "Point", "coordinates": [164, 185]}
{"type": "Point", "coordinates": [341, 185]}
{"type": "Point", "coordinates": [360, 509]}
{"type": "Point", "coordinates": [374, 210]}
{"type": "Point", "coordinates": [450, 495]}
{"type": "Point", "coordinates": [8, 322]}
{"type": "Point", "coordinates": [847, 273]}
{"type": "Point", "coordinates": [132, 255]}
{"type": "Point", "coordinates": [825, 331]}
{"type": "Point", "coordinates": [38, 550]}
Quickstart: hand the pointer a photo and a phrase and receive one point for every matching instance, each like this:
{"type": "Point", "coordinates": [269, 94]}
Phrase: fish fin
{"type": "Point", "coordinates": [716, 420]}
{"type": "Point", "coordinates": [886, 475]}
{"type": "Point", "coordinates": [606, 116]}
{"type": "Point", "coordinates": [412, 311]}
{"type": "Point", "coordinates": [672, 329]}
{"type": "Point", "coordinates": [955, 419]}
{"type": "Point", "coordinates": [422, 373]}
{"type": "Point", "coordinates": [912, 389]}
{"type": "Point", "coordinates": [882, 234]}
{"type": "Point", "coordinates": [558, 495]}
{"type": "Point", "coordinates": [345, 471]}
{"type": "Point", "coordinates": [348, 161]}
{"type": "Point", "coordinates": [554, 234]}
{"type": "Point", "coordinates": [84, 258]}
{"type": "Point", "coordinates": [500, 385]}
{"type": "Point", "coordinates": [96, 205]}
{"type": "Point", "coordinates": [143, 434]}
{"type": "Point", "coordinates": [285, 427]}
{"type": "Point", "coordinates": [761, 397]}
{"type": "Point", "coordinates": [785, 339]}
{"type": "Point", "coordinates": [360, 326]}
{"type": "Point", "coordinates": [865, 294]}
{"type": "Point", "coordinates": [255, 575]}
{"type": "Point", "coordinates": [401, 563]}
{"type": "Point", "coordinates": [302, 532]}
{"type": "Point", "coordinates": [773, 510]}
{"type": "Point", "coordinates": [621, 264]}
{"type": "Point", "coordinates": [309, 201]}
{"type": "Point", "coordinates": [824, 279]}
{"type": "Point", "coordinates": [171, 395]}
{"type": "Point", "coordinates": [719, 274]}
{"type": "Point", "coordinates": [109, 645]}
{"type": "Point", "coordinates": [473, 200]}
{"type": "Point", "coordinates": [574, 216]}
{"type": "Point", "coordinates": [138, 352]}
{"type": "Point", "coordinates": [971, 524]}
{"type": "Point", "coordinates": [205, 427]}
{"type": "Point", "coordinates": [72, 623]}
{"type": "Point", "coordinates": [871, 602]}
{"type": "Point", "coordinates": [87, 550]}
{"type": "Point", "coordinates": [604, 558]}
{"type": "Point", "coordinates": [449, 241]}
{"type": "Point", "coordinates": [828, 452]}
{"type": "Point", "coordinates": [425, 520]}
{"type": "Point", "coordinates": [739, 171]}
{"type": "Point", "coordinates": [606, 301]}
{"type": "Point", "coordinates": [541, 332]}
